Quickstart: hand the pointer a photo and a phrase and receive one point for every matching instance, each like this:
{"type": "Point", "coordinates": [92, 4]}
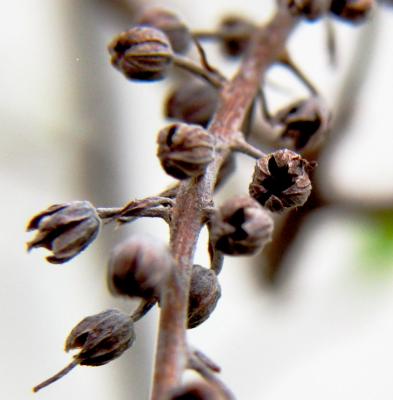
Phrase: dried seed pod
{"type": "Point", "coordinates": [138, 267]}
{"type": "Point", "coordinates": [142, 53]}
{"type": "Point", "coordinates": [196, 391]}
{"type": "Point", "coordinates": [310, 9]}
{"type": "Point", "coordinates": [281, 180]}
{"type": "Point", "coordinates": [193, 102]}
{"type": "Point", "coordinates": [352, 10]}
{"type": "Point", "coordinates": [64, 229]}
{"type": "Point", "coordinates": [204, 294]}
{"type": "Point", "coordinates": [235, 34]}
{"type": "Point", "coordinates": [101, 338]}
{"type": "Point", "coordinates": [304, 123]}
{"type": "Point", "coordinates": [185, 150]}
{"type": "Point", "coordinates": [241, 227]}
{"type": "Point", "coordinates": [166, 21]}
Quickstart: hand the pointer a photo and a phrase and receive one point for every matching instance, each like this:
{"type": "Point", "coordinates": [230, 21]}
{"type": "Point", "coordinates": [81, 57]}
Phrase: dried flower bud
{"type": "Point", "coordinates": [193, 102]}
{"type": "Point", "coordinates": [141, 53]}
{"type": "Point", "coordinates": [196, 391]}
{"type": "Point", "coordinates": [304, 123]}
{"type": "Point", "coordinates": [241, 227]}
{"type": "Point", "coordinates": [310, 9]}
{"type": "Point", "coordinates": [65, 229]}
{"type": "Point", "coordinates": [352, 10]}
{"type": "Point", "coordinates": [235, 34]}
{"type": "Point", "coordinates": [166, 21]}
{"type": "Point", "coordinates": [138, 267]}
{"type": "Point", "coordinates": [204, 294]}
{"type": "Point", "coordinates": [101, 338]}
{"type": "Point", "coordinates": [281, 180]}
{"type": "Point", "coordinates": [185, 150]}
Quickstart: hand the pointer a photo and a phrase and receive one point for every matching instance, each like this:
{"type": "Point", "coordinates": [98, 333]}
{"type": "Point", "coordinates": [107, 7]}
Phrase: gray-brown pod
{"type": "Point", "coordinates": [142, 53]}
{"type": "Point", "coordinates": [241, 227]}
{"type": "Point", "coordinates": [138, 267]}
{"type": "Point", "coordinates": [281, 180]}
{"type": "Point", "coordinates": [185, 150]}
{"type": "Point", "coordinates": [64, 229]}
{"type": "Point", "coordinates": [204, 294]}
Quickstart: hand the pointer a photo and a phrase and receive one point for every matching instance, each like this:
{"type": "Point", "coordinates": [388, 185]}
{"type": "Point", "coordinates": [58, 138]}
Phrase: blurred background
{"type": "Point", "coordinates": [310, 319]}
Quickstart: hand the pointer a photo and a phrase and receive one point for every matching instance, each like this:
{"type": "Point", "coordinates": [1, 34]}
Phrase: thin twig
{"type": "Point", "coordinates": [56, 377]}
{"type": "Point", "coordinates": [148, 207]}
{"type": "Point", "coordinates": [144, 307]}
{"type": "Point", "coordinates": [205, 63]}
{"type": "Point", "coordinates": [190, 66]}
{"type": "Point", "coordinates": [240, 145]}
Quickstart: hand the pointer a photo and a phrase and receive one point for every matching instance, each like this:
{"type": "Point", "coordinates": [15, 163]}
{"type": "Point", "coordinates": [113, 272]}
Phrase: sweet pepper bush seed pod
{"type": "Point", "coordinates": [185, 150]}
{"type": "Point", "coordinates": [192, 102]}
{"type": "Point", "coordinates": [166, 21]}
{"type": "Point", "coordinates": [196, 391]}
{"type": "Point", "coordinates": [64, 229]}
{"type": "Point", "coordinates": [309, 9]}
{"type": "Point", "coordinates": [352, 10]}
{"type": "Point", "coordinates": [142, 53]}
{"type": "Point", "coordinates": [281, 180]}
{"type": "Point", "coordinates": [304, 123]}
{"type": "Point", "coordinates": [204, 294]}
{"type": "Point", "coordinates": [235, 34]}
{"type": "Point", "coordinates": [138, 267]}
{"type": "Point", "coordinates": [101, 338]}
{"type": "Point", "coordinates": [241, 227]}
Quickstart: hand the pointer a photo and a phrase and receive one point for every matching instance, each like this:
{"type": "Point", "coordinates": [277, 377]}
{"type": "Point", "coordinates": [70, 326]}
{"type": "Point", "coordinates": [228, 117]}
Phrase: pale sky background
{"type": "Point", "coordinates": [68, 135]}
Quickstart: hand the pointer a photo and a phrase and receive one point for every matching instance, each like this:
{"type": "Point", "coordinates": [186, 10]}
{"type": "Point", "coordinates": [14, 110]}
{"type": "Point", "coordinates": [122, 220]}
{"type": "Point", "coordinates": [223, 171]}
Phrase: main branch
{"type": "Point", "coordinates": [195, 195]}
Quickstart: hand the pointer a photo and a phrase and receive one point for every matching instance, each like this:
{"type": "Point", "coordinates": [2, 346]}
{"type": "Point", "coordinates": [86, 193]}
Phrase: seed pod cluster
{"type": "Point", "coordinates": [169, 23]}
{"type": "Point", "coordinates": [205, 292]}
{"type": "Point", "coordinates": [304, 123]}
{"type": "Point", "coordinates": [281, 180]}
{"type": "Point", "coordinates": [138, 267]}
{"type": "Point", "coordinates": [235, 34]}
{"type": "Point", "coordinates": [142, 53]}
{"type": "Point", "coordinates": [64, 229]}
{"type": "Point", "coordinates": [101, 338]}
{"type": "Point", "coordinates": [352, 10]}
{"type": "Point", "coordinates": [192, 102]}
{"type": "Point", "coordinates": [241, 227]}
{"type": "Point", "coordinates": [185, 150]}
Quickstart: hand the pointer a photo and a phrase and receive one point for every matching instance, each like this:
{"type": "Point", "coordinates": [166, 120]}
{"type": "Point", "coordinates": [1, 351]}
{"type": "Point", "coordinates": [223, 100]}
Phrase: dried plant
{"type": "Point", "coordinates": [213, 116]}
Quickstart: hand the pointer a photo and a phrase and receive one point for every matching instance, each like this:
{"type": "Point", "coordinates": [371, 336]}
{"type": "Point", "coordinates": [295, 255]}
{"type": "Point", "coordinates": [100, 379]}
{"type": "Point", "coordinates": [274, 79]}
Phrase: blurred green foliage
{"type": "Point", "coordinates": [377, 243]}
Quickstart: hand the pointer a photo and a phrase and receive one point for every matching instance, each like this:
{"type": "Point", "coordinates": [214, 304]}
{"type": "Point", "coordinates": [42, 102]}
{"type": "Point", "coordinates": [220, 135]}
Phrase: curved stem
{"type": "Point", "coordinates": [190, 66]}
{"type": "Point", "coordinates": [288, 62]}
{"type": "Point", "coordinates": [204, 61]}
{"type": "Point", "coordinates": [56, 377]}
{"type": "Point", "coordinates": [143, 308]}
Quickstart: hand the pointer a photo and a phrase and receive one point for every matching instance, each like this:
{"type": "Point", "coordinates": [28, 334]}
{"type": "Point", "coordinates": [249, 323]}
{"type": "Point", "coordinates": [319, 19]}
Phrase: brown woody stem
{"type": "Point", "coordinates": [196, 194]}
